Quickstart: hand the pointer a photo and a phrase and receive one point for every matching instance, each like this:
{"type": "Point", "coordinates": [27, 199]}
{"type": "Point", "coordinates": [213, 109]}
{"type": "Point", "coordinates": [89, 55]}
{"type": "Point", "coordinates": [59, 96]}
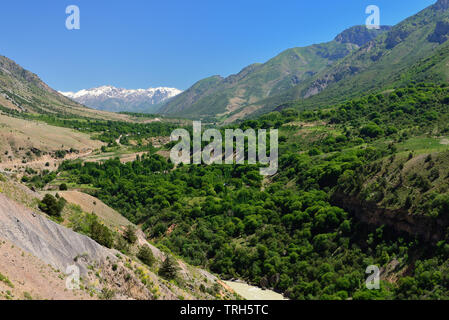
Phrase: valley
{"type": "Point", "coordinates": [363, 180]}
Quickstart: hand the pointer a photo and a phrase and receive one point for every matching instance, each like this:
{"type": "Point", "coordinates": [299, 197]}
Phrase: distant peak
{"type": "Point", "coordinates": [111, 98]}
{"type": "Point", "coordinates": [112, 91]}
{"type": "Point", "coordinates": [360, 35]}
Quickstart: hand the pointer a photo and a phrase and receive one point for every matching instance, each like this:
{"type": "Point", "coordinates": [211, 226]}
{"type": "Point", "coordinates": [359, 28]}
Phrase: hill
{"type": "Point", "coordinates": [354, 63]}
{"type": "Point", "coordinates": [413, 50]}
{"type": "Point", "coordinates": [23, 91]}
{"type": "Point", "coordinates": [218, 97]}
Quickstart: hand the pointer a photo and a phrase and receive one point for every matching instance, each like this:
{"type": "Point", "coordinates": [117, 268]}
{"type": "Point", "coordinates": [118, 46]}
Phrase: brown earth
{"type": "Point", "coordinates": [31, 278]}
{"type": "Point", "coordinates": [18, 137]}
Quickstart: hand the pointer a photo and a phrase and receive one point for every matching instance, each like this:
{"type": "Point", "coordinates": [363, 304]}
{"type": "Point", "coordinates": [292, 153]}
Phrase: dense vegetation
{"type": "Point", "coordinates": [285, 233]}
{"type": "Point", "coordinates": [52, 206]}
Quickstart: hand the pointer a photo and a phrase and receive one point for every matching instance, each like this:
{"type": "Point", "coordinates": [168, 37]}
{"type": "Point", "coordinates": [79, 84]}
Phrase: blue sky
{"type": "Point", "coordinates": [147, 43]}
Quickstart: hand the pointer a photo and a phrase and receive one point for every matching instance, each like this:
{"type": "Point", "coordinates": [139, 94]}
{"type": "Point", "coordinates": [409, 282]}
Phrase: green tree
{"type": "Point", "coordinates": [130, 234]}
{"type": "Point", "coordinates": [169, 268]}
{"type": "Point", "coordinates": [101, 234]}
{"type": "Point", "coordinates": [145, 255]}
{"type": "Point", "coordinates": [51, 206]}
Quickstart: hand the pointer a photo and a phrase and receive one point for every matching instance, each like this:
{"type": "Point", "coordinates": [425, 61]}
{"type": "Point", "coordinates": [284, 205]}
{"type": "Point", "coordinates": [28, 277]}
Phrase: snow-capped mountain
{"type": "Point", "coordinates": [114, 99]}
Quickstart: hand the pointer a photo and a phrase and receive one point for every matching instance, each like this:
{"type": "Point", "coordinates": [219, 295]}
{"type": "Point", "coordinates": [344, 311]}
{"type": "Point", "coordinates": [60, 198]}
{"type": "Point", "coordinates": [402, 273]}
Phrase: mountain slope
{"type": "Point", "coordinates": [46, 246]}
{"type": "Point", "coordinates": [113, 99]}
{"type": "Point", "coordinates": [394, 58]}
{"type": "Point", "coordinates": [217, 96]}
{"type": "Point", "coordinates": [23, 91]}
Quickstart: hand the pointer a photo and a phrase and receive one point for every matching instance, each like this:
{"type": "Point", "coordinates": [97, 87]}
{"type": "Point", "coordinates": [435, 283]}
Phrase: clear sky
{"type": "Point", "coordinates": [148, 43]}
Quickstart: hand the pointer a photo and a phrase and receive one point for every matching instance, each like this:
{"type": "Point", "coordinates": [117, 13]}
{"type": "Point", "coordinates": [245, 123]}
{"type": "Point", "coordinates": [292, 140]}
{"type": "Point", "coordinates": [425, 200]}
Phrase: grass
{"type": "Point", "coordinates": [27, 296]}
{"type": "Point", "coordinates": [22, 133]}
{"type": "Point", "coordinates": [5, 280]}
{"type": "Point", "coordinates": [420, 145]}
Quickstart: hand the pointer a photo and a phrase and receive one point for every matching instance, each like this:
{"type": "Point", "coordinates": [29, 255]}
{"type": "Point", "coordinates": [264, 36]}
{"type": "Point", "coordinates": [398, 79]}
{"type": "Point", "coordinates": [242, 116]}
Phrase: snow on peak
{"type": "Point", "coordinates": [113, 92]}
{"type": "Point", "coordinates": [119, 99]}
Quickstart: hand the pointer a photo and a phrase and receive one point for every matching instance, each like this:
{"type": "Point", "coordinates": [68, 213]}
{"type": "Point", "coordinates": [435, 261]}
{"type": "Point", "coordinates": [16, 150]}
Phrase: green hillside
{"type": "Point", "coordinates": [385, 63]}
{"type": "Point", "coordinates": [356, 62]}
{"type": "Point", "coordinates": [218, 96]}
{"type": "Point", "coordinates": [360, 183]}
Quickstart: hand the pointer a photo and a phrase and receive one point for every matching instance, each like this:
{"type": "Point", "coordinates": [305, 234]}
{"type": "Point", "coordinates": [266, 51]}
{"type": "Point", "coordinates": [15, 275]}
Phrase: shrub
{"type": "Point", "coordinates": [101, 234]}
{"type": "Point", "coordinates": [51, 206]}
{"type": "Point", "coordinates": [60, 154]}
{"type": "Point", "coordinates": [107, 294]}
{"type": "Point", "coordinates": [5, 280]}
{"type": "Point", "coordinates": [122, 245]}
{"type": "Point", "coordinates": [130, 234]}
{"type": "Point", "coordinates": [434, 174]}
{"type": "Point", "coordinates": [169, 268]}
{"type": "Point", "coordinates": [63, 187]}
{"type": "Point", "coordinates": [372, 131]}
{"type": "Point", "coordinates": [146, 255]}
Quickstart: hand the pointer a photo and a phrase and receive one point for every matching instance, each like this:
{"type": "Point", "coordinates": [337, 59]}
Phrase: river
{"type": "Point", "coordinates": [253, 293]}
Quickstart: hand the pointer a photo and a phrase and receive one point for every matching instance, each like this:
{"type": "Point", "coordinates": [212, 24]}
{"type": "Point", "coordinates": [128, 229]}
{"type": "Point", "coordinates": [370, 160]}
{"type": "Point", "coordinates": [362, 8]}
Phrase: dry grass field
{"type": "Point", "coordinates": [18, 137]}
{"type": "Point", "coordinates": [90, 204]}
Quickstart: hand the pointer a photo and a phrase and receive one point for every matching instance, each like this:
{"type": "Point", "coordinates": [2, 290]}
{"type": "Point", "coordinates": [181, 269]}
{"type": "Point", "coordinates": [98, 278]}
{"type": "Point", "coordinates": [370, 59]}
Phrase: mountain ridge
{"type": "Point", "coordinates": [218, 96]}
{"type": "Point", "coordinates": [24, 92]}
{"type": "Point", "coordinates": [110, 98]}
{"type": "Point", "coordinates": [378, 65]}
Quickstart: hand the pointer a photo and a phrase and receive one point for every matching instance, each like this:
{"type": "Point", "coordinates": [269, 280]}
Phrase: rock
{"type": "Point", "coordinates": [441, 33]}
{"type": "Point", "coordinates": [442, 5]}
{"type": "Point", "coordinates": [45, 239]}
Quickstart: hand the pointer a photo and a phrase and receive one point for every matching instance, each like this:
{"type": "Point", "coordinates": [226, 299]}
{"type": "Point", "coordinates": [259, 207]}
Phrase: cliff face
{"type": "Point", "coordinates": [428, 228]}
{"type": "Point", "coordinates": [442, 5]}
{"type": "Point", "coordinates": [360, 35]}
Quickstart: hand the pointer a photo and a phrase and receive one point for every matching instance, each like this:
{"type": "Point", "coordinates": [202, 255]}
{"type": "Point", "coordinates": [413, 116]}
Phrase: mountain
{"type": "Point", "coordinates": [414, 50]}
{"type": "Point", "coordinates": [114, 99]}
{"type": "Point", "coordinates": [24, 92]}
{"type": "Point", "coordinates": [218, 97]}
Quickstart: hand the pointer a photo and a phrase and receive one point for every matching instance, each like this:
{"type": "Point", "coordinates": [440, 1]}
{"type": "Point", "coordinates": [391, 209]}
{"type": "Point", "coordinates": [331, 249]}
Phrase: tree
{"type": "Point", "coordinates": [63, 187]}
{"type": "Point", "coordinates": [169, 268]}
{"type": "Point", "coordinates": [371, 130]}
{"type": "Point", "coordinates": [51, 206]}
{"type": "Point", "coordinates": [145, 255]}
{"type": "Point", "coordinates": [101, 234]}
{"type": "Point", "coordinates": [130, 234]}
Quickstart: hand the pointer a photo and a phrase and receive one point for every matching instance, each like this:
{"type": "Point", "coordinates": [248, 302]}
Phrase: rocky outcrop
{"type": "Point", "coordinates": [428, 228]}
{"type": "Point", "coordinates": [442, 5]}
{"type": "Point", "coordinates": [396, 36]}
{"type": "Point", "coordinates": [47, 240]}
{"type": "Point", "coordinates": [441, 33]}
{"type": "Point", "coordinates": [360, 35]}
